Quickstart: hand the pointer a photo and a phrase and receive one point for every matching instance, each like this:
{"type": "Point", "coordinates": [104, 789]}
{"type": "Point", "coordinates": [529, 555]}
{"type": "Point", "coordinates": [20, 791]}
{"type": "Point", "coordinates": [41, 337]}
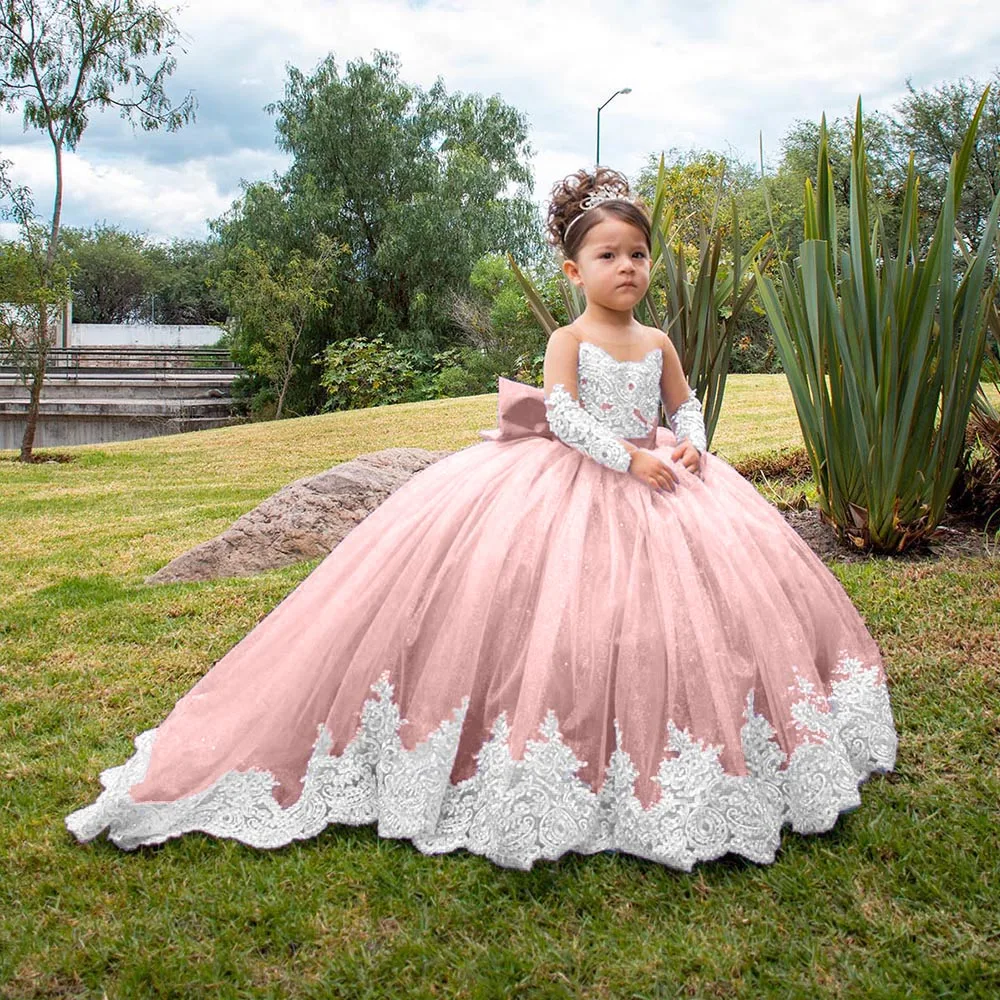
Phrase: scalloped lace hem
{"type": "Point", "coordinates": [515, 812]}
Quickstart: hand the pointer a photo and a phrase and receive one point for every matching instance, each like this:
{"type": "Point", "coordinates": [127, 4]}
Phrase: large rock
{"type": "Point", "coordinates": [305, 519]}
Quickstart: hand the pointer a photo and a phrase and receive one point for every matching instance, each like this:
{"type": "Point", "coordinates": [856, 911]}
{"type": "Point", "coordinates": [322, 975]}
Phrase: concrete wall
{"type": "Point", "coordinates": [68, 429]}
{"type": "Point", "coordinates": [142, 335]}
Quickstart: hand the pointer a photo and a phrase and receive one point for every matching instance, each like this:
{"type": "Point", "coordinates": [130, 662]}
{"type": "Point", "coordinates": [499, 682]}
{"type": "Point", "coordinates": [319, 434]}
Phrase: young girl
{"type": "Point", "coordinates": [585, 633]}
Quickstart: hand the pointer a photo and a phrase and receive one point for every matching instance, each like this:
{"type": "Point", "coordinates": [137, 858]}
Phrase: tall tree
{"type": "Point", "coordinates": [415, 180]}
{"type": "Point", "coordinates": [419, 184]}
{"type": "Point", "coordinates": [60, 60]}
{"type": "Point", "coordinates": [933, 123]}
{"type": "Point", "coordinates": [271, 304]}
{"type": "Point", "coordinates": [275, 223]}
{"type": "Point", "coordinates": [886, 166]}
{"type": "Point", "coordinates": [31, 289]}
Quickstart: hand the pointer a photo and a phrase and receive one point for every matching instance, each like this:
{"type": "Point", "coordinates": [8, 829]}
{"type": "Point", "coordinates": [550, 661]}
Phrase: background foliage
{"type": "Point", "coordinates": [429, 190]}
{"type": "Point", "coordinates": [418, 184]}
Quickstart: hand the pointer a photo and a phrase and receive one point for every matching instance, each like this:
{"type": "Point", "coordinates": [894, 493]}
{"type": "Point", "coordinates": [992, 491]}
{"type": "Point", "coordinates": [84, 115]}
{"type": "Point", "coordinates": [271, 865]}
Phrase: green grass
{"type": "Point", "coordinates": [900, 899]}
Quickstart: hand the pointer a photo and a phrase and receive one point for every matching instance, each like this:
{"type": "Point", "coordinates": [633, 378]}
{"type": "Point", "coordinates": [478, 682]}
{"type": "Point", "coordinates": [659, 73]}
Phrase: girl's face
{"type": "Point", "coordinates": [612, 265]}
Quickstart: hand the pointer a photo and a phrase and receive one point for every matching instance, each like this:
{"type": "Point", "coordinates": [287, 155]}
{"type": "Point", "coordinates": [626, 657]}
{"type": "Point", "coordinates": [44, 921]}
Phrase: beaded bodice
{"type": "Point", "coordinates": [624, 396]}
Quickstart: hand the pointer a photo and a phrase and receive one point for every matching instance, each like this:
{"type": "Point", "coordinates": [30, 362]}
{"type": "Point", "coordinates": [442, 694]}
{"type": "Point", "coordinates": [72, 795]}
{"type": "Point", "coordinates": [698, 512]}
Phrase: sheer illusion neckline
{"type": "Point", "coordinates": [639, 361]}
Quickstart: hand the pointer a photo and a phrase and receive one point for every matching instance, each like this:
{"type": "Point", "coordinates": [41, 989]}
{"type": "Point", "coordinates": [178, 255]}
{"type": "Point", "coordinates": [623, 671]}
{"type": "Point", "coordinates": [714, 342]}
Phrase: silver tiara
{"type": "Point", "coordinates": [606, 192]}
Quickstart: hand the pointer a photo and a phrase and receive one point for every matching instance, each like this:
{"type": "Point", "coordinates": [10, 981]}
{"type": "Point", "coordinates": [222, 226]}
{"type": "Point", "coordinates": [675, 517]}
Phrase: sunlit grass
{"type": "Point", "coordinates": [899, 900]}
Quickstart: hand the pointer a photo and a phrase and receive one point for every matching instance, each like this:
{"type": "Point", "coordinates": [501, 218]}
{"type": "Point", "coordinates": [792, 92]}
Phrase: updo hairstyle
{"type": "Point", "coordinates": [566, 205]}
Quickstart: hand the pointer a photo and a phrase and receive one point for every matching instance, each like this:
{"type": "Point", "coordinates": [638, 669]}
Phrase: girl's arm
{"type": "Point", "coordinates": [568, 420]}
{"type": "Point", "coordinates": [680, 400]}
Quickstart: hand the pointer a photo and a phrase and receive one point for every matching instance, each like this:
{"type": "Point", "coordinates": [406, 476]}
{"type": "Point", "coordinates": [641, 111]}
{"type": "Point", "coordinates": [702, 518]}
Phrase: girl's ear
{"type": "Point", "coordinates": [572, 272]}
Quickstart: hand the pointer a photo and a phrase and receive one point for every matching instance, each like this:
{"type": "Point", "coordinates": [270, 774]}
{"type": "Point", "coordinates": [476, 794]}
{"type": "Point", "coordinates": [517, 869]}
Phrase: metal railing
{"type": "Point", "coordinates": [199, 358]}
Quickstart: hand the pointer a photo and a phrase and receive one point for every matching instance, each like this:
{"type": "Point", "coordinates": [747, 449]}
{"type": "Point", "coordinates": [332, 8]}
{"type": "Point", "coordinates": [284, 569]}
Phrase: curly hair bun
{"type": "Point", "coordinates": [569, 195]}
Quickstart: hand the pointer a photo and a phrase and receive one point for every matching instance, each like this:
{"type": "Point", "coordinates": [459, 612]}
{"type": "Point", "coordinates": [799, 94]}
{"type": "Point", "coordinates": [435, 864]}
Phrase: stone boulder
{"type": "Point", "coordinates": [305, 519]}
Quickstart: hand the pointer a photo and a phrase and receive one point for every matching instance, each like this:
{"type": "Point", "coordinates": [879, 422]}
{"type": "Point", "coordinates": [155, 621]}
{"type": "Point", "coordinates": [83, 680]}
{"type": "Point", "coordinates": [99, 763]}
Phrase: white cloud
{"type": "Point", "coordinates": [712, 76]}
{"type": "Point", "coordinates": [162, 200]}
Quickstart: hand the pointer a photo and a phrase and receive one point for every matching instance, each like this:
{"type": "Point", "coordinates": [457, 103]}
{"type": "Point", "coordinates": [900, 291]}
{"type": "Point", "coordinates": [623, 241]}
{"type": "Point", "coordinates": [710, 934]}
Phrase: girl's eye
{"type": "Point", "coordinates": [607, 253]}
{"type": "Point", "coordinates": [639, 253]}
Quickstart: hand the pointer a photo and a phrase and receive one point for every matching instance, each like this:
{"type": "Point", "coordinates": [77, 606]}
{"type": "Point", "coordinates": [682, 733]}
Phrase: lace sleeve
{"type": "Point", "coordinates": [574, 426]}
{"type": "Point", "coordinates": [688, 423]}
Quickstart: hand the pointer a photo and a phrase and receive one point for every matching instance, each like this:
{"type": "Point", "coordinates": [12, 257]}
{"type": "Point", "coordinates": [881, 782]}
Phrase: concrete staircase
{"type": "Point", "coordinates": [93, 396]}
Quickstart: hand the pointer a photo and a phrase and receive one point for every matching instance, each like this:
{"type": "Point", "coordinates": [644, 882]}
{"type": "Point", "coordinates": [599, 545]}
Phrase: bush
{"type": "Point", "coordinates": [251, 398]}
{"type": "Point", "coordinates": [358, 373]}
{"type": "Point", "coordinates": [476, 371]}
{"type": "Point", "coordinates": [753, 351]}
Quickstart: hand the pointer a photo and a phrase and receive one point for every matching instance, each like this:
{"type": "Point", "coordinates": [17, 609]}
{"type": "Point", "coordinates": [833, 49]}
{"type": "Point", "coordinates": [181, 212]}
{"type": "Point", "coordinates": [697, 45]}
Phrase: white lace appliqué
{"type": "Point", "coordinates": [623, 395]}
{"type": "Point", "coordinates": [687, 421]}
{"type": "Point", "coordinates": [618, 399]}
{"type": "Point", "coordinates": [574, 426]}
{"type": "Point", "coordinates": [515, 812]}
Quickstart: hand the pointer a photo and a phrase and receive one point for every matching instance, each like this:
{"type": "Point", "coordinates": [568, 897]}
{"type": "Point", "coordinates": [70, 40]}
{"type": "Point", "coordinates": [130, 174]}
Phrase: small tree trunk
{"type": "Point", "coordinates": [289, 371]}
{"type": "Point", "coordinates": [281, 394]}
{"type": "Point", "coordinates": [37, 381]}
{"type": "Point", "coordinates": [42, 342]}
{"type": "Point", "coordinates": [28, 441]}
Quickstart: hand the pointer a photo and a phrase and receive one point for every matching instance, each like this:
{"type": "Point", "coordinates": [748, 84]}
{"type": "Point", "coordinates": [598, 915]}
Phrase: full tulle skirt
{"type": "Point", "coordinates": [523, 653]}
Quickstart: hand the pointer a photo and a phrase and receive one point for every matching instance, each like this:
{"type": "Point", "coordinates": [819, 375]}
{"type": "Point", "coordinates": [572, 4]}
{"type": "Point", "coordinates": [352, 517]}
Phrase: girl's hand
{"type": "Point", "coordinates": [647, 467]}
{"type": "Point", "coordinates": [689, 457]}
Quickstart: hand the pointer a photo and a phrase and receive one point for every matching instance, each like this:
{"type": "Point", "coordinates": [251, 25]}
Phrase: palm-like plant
{"type": "Point", "coordinates": [882, 347]}
{"type": "Point", "coordinates": [699, 310]}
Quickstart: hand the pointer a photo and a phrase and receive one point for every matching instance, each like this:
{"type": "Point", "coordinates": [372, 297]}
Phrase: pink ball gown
{"type": "Point", "coordinates": [523, 652]}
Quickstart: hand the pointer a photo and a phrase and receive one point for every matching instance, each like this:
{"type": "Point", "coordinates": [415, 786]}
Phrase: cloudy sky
{"type": "Point", "coordinates": [711, 74]}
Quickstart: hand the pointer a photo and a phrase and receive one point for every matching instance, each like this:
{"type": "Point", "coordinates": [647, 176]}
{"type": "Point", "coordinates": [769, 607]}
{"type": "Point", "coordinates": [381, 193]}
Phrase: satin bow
{"type": "Point", "coordinates": [521, 413]}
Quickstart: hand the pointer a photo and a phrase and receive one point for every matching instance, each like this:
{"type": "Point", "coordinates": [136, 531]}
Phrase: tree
{"type": "Point", "coordinates": [700, 185]}
{"type": "Point", "coordinates": [503, 337]}
{"type": "Point", "coordinates": [112, 276]}
{"type": "Point", "coordinates": [184, 289]}
{"type": "Point", "coordinates": [413, 180]}
{"type": "Point", "coordinates": [33, 285]}
{"type": "Point", "coordinates": [419, 184]}
{"type": "Point", "coordinates": [800, 149]}
{"type": "Point", "coordinates": [705, 192]}
{"type": "Point", "coordinates": [271, 306]}
{"type": "Point", "coordinates": [124, 277]}
{"type": "Point", "coordinates": [276, 223]}
{"type": "Point", "coordinates": [886, 167]}
{"type": "Point", "coordinates": [59, 61]}
{"type": "Point", "coordinates": [31, 289]}
{"type": "Point", "coordinates": [933, 123]}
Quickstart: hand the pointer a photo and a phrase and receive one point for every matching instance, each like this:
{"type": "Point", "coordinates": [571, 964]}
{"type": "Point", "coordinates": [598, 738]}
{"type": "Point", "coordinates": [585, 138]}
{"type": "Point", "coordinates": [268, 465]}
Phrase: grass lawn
{"type": "Point", "coordinates": [900, 899]}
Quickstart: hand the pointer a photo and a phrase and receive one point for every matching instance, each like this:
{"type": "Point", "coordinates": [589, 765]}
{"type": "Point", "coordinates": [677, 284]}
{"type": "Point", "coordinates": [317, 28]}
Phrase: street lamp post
{"type": "Point", "coordinates": [624, 90]}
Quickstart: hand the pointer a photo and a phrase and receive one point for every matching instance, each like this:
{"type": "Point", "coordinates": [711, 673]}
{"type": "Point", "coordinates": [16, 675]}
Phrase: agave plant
{"type": "Point", "coordinates": [700, 309]}
{"type": "Point", "coordinates": [882, 347]}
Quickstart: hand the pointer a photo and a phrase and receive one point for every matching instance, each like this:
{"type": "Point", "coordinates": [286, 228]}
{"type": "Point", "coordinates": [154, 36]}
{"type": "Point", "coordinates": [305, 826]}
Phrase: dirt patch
{"type": "Point", "coordinates": [959, 535]}
{"type": "Point", "coordinates": [954, 538]}
{"type": "Point", "coordinates": [40, 458]}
